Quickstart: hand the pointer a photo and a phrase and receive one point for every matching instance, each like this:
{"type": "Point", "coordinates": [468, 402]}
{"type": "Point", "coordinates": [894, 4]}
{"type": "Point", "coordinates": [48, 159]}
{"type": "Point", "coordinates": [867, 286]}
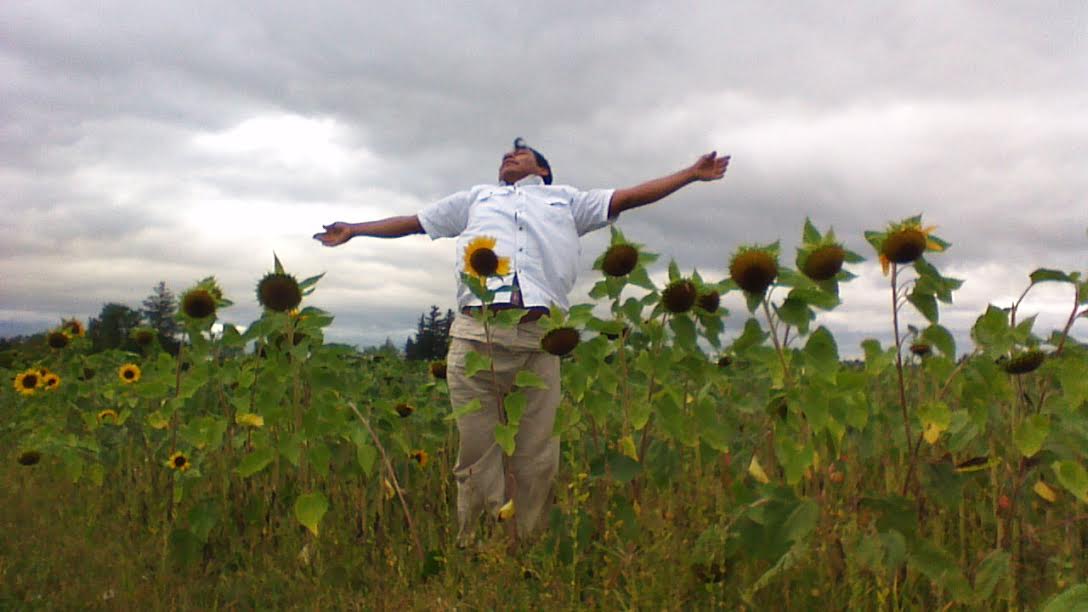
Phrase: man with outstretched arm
{"type": "Point", "coordinates": [536, 225]}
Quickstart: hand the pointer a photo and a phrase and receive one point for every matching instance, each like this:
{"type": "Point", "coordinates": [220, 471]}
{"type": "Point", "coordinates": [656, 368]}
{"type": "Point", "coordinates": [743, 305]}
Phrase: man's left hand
{"type": "Point", "coordinates": [710, 167]}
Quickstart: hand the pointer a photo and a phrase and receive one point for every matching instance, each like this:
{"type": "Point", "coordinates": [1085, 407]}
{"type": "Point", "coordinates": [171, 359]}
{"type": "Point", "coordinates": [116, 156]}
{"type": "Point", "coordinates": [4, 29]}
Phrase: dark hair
{"type": "Point", "coordinates": [519, 143]}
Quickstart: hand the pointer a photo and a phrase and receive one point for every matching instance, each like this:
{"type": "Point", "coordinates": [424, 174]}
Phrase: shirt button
{"type": "Point", "coordinates": [521, 229]}
{"type": "Point", "coordinates": [521, 250]}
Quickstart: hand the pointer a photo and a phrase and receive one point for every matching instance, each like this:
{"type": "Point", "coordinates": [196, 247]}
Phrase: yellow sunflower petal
{"type": "Point", "coordinates": [933, 246]}
{"type": "Point", "coordinates": [1044, 491]}
{"type": "Point", "coordinates": [885, 264]}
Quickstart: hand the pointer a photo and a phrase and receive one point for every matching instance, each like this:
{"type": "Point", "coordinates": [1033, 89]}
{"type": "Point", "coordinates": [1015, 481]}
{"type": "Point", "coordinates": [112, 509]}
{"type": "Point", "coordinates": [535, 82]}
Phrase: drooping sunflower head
{"type": "Point", "coordinates": [1024, 362]}
{"type": "Point", "coordinates": [481, 260]}
{"type": "Point", "coordinates": [178, 461]}
{"type": "Point", "coordinates": [709, 301]}
{"type": "Point", "coordinates": [905, 241]}
{"type": "Point", "coordinates": [26, 383]}
{"type": "Point", "coordinates": [279, 291]}
{"type": "Point", "coordinates": [421, 457]}
{"type": "Point", "coordinates": [754, 268]}
{"type": "Point", "coordinates": [198, 303]}
{"type": "Point", "coordinates": [725, 361]}
{"type": "Point", "coordinates": [58, 339]}
{"type": "Point", "coordinates": [438, 369]}
{"type": "Point", "coordinates": [679, 295]}
{"type": "Point", "coordinates": [108, 415]}
{"type": "Point", "coordinates": [619, 259]}
{"type": "Point", "coordinates": [560, 341]}
{"type": "Point", "coordinates": [921, 349]}
{"type": "Point", "coordinates": [129, 373]}
{"type": "Point", "coordinates": [143, 336]}
{"type": "Point", "coordinates": [404, 410]}
{"type": "Point", "coordinates": [824, 263]}
{"type": "Point", "coordinates": [74, 327]}
{"type": "Point", "coordinates": [50, 381]}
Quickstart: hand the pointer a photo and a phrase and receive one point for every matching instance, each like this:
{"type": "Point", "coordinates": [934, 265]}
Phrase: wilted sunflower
{"type": "Point", "coordinates": [619, 260]}
{"type": "Point", "coordinates": [404, 410]}
{"type": "Point", "coordinates": [725, 361]}
{"type": "Point", "coordinates": [1024, 362]}
{"type": "Point", "coordinates": [754, 268]}
{"type": "Point", "coordinates": [178, 461]}
{"type": "Point", "coordinates": [57, 339]}
{"type": "Point", "coordinates": [198, 303]}
{"type": "Point", "coordinates": [905, 241]}
{"type": "Point", "coordinates": [50, 381]}
{"type": "Point", "coordinates": [143, 336]}
{"type": "Point", "coordinates": [28, 382]}
{"type": "Point", "coordinates": [421, 457]}
{"type": "Point", "coordinates": [481, 260]}
{"type": "Point", "coordinates": [679, 296]}
{"type": "Point", "coordinates": [279, 292]}
{"type": "Point", "coordinates": [29, 457]}
{"type": "Point", "coordinates": [438, 369]}
{"type": "Point", "coordinates": [108, 415]}
{"type": "Point", "coordinates": [74, 328]}
{"type": "Point", "coordinates": [560, 341]}
{"type": "Point", "coordinates": [709, 301]}
{"type": "Point", "coordinates": [129, 373]}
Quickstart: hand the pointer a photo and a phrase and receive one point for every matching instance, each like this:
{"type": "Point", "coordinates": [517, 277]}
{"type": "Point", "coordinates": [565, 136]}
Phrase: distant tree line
{"type": "Point", "coordinates": [432, 337]}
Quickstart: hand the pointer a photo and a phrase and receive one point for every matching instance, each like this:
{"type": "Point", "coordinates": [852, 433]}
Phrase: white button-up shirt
{"type": "Point", "coordinates": [537, 226]}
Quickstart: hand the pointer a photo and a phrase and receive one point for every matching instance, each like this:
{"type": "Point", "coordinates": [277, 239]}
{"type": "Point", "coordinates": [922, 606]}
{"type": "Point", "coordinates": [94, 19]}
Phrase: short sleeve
{"type": "Point", "coordinates": [447, 217]}
{"type": "Point", "coordinates": [590, 209]}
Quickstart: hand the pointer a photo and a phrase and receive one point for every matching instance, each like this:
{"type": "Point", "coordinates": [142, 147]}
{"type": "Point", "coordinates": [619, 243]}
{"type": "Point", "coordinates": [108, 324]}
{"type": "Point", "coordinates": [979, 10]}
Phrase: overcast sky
{"type": "Point", "coordinates": [148, 141]}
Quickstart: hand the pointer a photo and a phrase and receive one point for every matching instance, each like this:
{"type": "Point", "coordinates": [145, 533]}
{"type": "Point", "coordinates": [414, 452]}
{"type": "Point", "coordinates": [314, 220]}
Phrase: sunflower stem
{"type": "Point", "coordinates": [902, 385]}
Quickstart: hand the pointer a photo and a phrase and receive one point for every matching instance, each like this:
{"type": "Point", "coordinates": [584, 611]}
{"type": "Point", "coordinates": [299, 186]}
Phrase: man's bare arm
{"type": "Point", "coordinates": [391, 227]}
{"type": "Point", "coordinates": [708, 167]}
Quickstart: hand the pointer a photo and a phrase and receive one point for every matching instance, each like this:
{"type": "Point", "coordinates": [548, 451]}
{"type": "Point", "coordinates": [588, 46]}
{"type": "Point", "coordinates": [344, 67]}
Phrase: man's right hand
{"type": "Point", "coordinates": [335, 234]}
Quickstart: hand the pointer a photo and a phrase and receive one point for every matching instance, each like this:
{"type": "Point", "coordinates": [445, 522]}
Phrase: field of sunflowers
{"type": "Point", "coordinates": [262, 467]}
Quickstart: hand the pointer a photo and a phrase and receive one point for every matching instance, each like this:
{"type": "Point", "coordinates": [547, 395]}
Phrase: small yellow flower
{"type": "Point", "coordinates": [129, 373]}
{"type": "Point", "coordinates": [249, 419]}
{"type": "Point", "coordinates": [481, 260]}
{"type": "Point", "coordinates": [507, 511]}
{"type": "Point", "coordinates": [421, 457]}
{"type": "Point", "coordinates": [108, 416]}
{"type": "Point", "coordinates": [178, 461]}
{"type": "Point", "coordinates": [27, 382]}
{"type": "Point", "coordinates": [50, 381]}
{"type": "Point", "coordinates": [1044, 491]}
{"type": "Point", "coordinates": [755, 470]}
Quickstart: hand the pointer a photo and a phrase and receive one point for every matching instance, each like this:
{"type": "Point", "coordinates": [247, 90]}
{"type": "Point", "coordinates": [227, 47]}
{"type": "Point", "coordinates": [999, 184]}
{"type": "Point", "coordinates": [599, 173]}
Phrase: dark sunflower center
{"type": "Point", "coordinates": [198, 304]}
{"type": "Point", "coordinates": [279, 292]}
{"type": "Point", "coordinates": [179, 461]}
{"type": "Point", "coordinates": [129, 373]}
{"type": "Point", "coordinates": [484, 262]}
{"type": "Point", "coordinates": [30, 381]}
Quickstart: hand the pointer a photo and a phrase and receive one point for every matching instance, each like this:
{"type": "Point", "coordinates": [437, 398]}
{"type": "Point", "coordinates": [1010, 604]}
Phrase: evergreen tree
{"type": "Point", "coordinates": [432, 336]}
{"type": "Point", "coordinates": [159, 309]}
{"type": "Point", "coordinates": [112, 328]}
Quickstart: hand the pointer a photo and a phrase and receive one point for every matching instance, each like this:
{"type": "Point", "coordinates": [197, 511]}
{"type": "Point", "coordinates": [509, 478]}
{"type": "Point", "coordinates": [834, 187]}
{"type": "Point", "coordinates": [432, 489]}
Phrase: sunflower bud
{"type": "Point", "coordinates": [904, 245]}
{"type": "Point", "coordinates": [824, 263]}
{"type": "Point", "coordinates": [279, 292]}
{"type": "Point", "coordinates": [560, 341]}
{"type": "Point", "coordinates": [753, 270]}
{"type": "Point", "coordinates": [1025, 362]}
{"type": "Point", "coordinates": [709, 301]}
{"type": "Point", "coordinates": [404, 410]}
{"type": "Point", "coordinates": [679, 296]}
{"type": "Point", "coordinates": [143, 336]}
{"type": "Point", "coordinates": [725, 361]}
{"type": "Point", "coordinates": [921, 349]}
{"type": "Point", "coordinates": [619, 260]}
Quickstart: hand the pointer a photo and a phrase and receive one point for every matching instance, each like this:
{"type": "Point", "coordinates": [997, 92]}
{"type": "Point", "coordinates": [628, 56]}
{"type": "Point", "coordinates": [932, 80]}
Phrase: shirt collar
{"type": "Point", "coordinates": [532, 179]}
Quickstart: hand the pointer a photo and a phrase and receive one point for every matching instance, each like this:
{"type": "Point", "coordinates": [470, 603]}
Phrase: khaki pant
{"type": "Point", "coordinates": [479, 471]}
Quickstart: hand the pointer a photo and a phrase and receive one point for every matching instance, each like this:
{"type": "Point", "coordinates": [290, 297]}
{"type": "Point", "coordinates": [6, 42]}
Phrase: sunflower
{"type": "Point", "coordinates": [619, 259]}
{"type": "Point", "coordinates": [108, 416]}
{"type": "Point", "coordinates": [143, 336]}
{"type": "Point", "coordinates": [198, 303]}
{"type": "Point", "coordinates": [709, 301]}
{"type": "Point", "coordinates": [905, 242]}
{"type": "Point", "coordinates": [178, 461]}
{"type": "Point", "coordinates": [74, 328]}
{"type": "Point", "coordinates": [560, 341]}
{"type": "Point", "coordinates": [421, 457]}
{"type": "Point", "coordinates": [824, 262]}
{"type": "Point", "coordinates": [754, 268]}
{"type": "Point", "coordinates": [27, 382]}
{"type": "Point", "coordinates": [279, 292]}
{"type": "Point", "coordinates": [57, 339]}
{"type": "Point", "coordinates": [481, 260]}
{"type": "Point", "coordinates": [129, 373]}
{"type": "Point", "coordinates": [29, 457]}
{"type": "Point", "coordinates": [404, 410]}
{"type": "Point", "coordinates": [1024, 362]}
{"type": "Point", "coordinates": [679, 296]}
{"type": "Point", "coordinates": [50, 381]}
{"type": "Point", "coordinates": [921, 349]}
{"type": "Point", "coordinates": [438, 369]}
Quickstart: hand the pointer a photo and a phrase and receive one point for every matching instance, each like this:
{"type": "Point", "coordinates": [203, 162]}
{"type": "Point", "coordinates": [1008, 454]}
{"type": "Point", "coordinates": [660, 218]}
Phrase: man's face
{"type": "Point", "coordinates": [518, 164]}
